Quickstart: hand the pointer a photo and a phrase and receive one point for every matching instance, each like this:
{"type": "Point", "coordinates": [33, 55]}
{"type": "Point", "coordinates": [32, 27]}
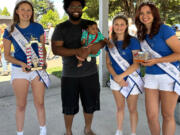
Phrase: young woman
{"type": "Point", "coordinates": [162, 74]}
{"type": "Point", "coordinates": [125, 81]}
{"type": "Point", "coordinates": [22, 30]}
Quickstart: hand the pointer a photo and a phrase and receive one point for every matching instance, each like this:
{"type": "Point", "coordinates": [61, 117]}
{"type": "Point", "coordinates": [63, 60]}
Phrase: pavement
{"type": "Point", "coordinates": [104, 122]}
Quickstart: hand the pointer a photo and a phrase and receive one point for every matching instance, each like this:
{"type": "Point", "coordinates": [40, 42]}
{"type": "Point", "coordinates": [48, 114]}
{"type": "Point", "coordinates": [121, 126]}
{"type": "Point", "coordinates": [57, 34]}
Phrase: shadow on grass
{"type": "Point", "coordinates": [57, 73]}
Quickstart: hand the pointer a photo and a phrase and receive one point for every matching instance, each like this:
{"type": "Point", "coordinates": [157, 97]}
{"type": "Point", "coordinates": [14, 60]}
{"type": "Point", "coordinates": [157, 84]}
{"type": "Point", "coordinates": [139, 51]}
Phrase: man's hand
{"type": "Point", "coordinates": [109, 43]}
{"type": "Point", "coordinates": [83, 52]}
{"type": "Point", "coordinates": [94, 48]}
{"type": "Point", "coordinates": [80, 59]}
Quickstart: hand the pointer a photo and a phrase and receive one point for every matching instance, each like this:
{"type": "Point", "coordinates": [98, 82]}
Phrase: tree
{"type": "Point", "coordinates": [41, 7]}
{"type": "Point", "coordinates": [127, 7]}
{"type": "Point", "coordinates": [64, 18]}
{"type": "Point", "coordinates": [91, 10]}
{"type": "Point", "coordinates": [51, 17]}
{"type": "Point", "coordinates": [169, 9]}
{"type": "Point", "coordinates": [5, 12]}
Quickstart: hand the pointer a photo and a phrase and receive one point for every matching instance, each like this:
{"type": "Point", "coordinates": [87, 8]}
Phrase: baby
{"type": "Point", "coordinates": [90, 36]}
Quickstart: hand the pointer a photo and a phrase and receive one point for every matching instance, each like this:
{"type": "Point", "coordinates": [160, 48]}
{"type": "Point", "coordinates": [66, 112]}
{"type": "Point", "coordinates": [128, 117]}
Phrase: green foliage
{"type": "Point", "coordinates": [142, 70]}
{"type": "Point", "coordinates": [91, 10]}
{"type": "Point", "coordinates": [113, 8]}
{"type": "Point", "coordinates": [87, 16]}
{"type": "Point", "coordinates": [55, 71]}
{"type": "Point", "coordinates": [126, 7]}
{"type": "Point", "coordinates": [41, 7]}
{"type": "Point", "coordinates": [51, 17]}
{"type": "Point", "coordinates": [64, 18]}
{"type": "Point", "coordinates": [169, 9]}
{"type": "Point", "coordinates": [45, 12]}
{"type": "Point", "coordinates": [5, 12]}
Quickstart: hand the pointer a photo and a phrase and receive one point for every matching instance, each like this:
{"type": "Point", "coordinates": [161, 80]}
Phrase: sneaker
{"type": "Point", "coordinates": [90, 132]}
{"type": "Point", "coordinates": [118, 132]}
{"type": "Point", "coordinates": [43, 131]}
{"type": "Point", "coordinates": [20, 133]}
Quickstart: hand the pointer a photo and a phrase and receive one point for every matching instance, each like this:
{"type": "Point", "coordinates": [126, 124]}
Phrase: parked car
{"type": "Point", "coordinates": [176, 27]}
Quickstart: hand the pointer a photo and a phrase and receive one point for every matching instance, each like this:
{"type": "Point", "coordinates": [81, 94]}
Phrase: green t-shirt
{"type": "Point", "coordinates": [91, 38]}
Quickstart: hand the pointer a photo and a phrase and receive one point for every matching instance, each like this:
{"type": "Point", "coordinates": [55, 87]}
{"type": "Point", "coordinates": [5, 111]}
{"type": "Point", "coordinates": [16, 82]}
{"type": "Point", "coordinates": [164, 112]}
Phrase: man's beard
{"type": "Point", "coordinates": [74, 18]}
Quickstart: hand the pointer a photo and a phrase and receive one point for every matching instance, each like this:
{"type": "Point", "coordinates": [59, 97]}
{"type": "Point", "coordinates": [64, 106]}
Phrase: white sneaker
{"type": "Point", "coordinates": [20, 133]}
{"type": "Point", "coordinates": [118, 132]}
{"type": "Point", "coordinates": [43, 131]}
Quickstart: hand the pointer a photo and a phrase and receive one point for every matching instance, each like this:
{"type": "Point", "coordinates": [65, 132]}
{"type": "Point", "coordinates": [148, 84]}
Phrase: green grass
{"type": "Point", "coordinates": [55, 71]}
{"type": "Point", "coordinates": [58, 70]}
{"type": "Point", "coordinates": [142, 70]}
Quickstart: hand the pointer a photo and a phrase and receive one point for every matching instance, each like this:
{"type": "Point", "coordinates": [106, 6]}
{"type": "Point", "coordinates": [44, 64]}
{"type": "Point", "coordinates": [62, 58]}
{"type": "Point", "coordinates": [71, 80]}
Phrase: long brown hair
{"type": "Point", "coordinates": [127, 37]}
{"type": "Point", "coordinates": [16, 16]}
{"type": "Point", "coordinates": [141, 28]}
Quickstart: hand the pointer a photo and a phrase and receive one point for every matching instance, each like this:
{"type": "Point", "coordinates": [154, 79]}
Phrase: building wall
{"type": "Point", "coordinates": [6, 19]}
{"type": "Point", "coordinates": [7, 22]}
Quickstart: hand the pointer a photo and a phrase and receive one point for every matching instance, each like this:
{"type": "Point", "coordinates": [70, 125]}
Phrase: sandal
{"type": "Point", "coordinates": [90, 132]}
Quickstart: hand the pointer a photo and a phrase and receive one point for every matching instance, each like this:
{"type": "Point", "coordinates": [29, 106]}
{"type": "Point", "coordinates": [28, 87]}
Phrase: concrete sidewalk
{"type": "Point", "coordinates": [104, 121]}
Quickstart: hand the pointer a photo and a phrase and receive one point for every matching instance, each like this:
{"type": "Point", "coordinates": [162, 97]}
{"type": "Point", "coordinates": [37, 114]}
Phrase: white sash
{"type": "Point", "coordinates": [21, 40]}
{"type": "Point", "coordinates": [169, 68]}
{"type": "Point", "coordinates": [133, 79]}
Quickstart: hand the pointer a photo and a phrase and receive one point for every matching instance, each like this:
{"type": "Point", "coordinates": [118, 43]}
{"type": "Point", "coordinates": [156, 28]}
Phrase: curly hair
{"type": "Point", "coordinates": [141, 28]}
{"type": "Point", "coordinates": [89, 23]}
{"type": "Point", "coordinates": [126, 34]}
{"type": "Point", "coordinates": [68, 2]}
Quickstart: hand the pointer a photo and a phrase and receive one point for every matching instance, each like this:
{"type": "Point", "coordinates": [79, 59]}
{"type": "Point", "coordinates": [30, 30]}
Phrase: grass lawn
{"type": "Point", "coordinates": [55, 71]}
{"type": "Point", "coordinates": [58, 70]}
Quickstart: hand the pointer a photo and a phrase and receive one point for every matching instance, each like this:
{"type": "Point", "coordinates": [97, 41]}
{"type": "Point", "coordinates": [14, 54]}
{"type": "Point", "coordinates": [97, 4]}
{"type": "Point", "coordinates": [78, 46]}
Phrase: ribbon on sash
{"type": "Point", "coordinates": [169, 68]}
{"type": "Point", "coordinates": [92, 40]}
{"type": "Point", "coordinates": [133, 79]}
{"type": "Point", "coordinates": [22, 41]}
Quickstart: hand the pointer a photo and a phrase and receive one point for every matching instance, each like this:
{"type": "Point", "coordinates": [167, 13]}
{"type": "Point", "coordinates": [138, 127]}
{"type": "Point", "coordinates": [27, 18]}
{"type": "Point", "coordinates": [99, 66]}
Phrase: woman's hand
{"type": "Point", "coordinates": [45, 65]}
{"type": "Point", "coordinates": [120, 80]}
{"type": "Point", "coordinates": [150, 62]}
{"type": "Point", "coordinates": [24, 66]}
{"type": "Point", "coordinates": [123, 83]}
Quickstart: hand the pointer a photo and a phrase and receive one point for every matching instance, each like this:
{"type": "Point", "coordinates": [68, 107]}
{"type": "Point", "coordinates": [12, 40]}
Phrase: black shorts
{"type": "Point", "coordinates": [88, 88]}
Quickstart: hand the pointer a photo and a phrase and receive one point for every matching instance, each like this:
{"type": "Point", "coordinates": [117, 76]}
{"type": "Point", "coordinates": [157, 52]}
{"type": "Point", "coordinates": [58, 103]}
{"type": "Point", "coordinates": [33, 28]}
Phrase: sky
{"type": "Point", "coordinates": [10, 4]}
